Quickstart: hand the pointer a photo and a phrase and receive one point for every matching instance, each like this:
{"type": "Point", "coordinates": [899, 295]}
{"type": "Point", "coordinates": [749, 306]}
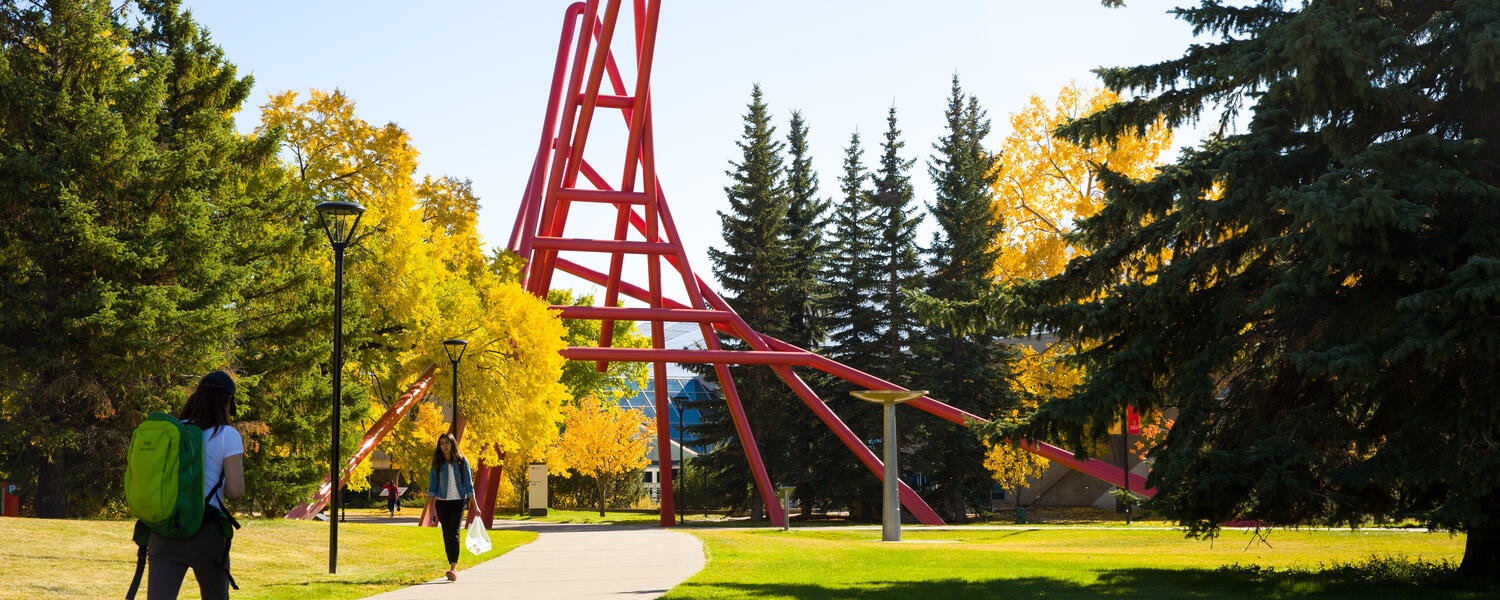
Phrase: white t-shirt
{"type": "Point", "coordinates": [219, 443]}
{"type": "Point", "coordinates": [451, 493]}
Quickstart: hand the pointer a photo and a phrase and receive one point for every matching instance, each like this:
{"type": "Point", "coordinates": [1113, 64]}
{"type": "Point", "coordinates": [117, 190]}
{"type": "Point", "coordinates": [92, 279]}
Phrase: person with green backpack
{"type": "Point", "coordinates": [177, 473]}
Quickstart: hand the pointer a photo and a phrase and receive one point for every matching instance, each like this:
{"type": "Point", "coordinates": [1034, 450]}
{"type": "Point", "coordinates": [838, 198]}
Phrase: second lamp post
{"type": "Point", "coordinates": [455, 348]}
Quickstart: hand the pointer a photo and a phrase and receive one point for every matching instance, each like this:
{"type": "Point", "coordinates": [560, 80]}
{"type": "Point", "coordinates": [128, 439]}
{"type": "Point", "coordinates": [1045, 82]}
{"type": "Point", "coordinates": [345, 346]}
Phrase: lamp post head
{"type": "Point", "coordinates": [455, 349]}
{"type": "Point", "coordinates": [888, 396]}
{"type": "Point", "coordinates": [339, 218]}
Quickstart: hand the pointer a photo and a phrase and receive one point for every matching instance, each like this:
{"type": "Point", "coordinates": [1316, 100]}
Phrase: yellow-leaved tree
{"type": "Point", "coordinates": [417, 275]}
{"type": "Point", "coordinates": [1038, 377]}
{"type": "Point", "coordinates": [601, 441]}
{"type": "Point", "coordinates": [1045, 183]}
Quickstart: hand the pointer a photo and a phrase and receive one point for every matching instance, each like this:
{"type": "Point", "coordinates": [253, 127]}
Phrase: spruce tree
{"type": "Point", "coordinates": [850, 272]}
{"type": "Point", "coordinates": [966, 370]}
{"type": "Point", "coordinates": [898, 265]}
{"type": "Point", "coordinates": [118, 157]}
{"type": "Point", "coordinates": [804, 292]}
{"type": "Point", "coordinates": [852, 326]}
{"type": "Point", "coordinates": [754, 269]}
{"type": "Point", "coordinates": [1315, 295]}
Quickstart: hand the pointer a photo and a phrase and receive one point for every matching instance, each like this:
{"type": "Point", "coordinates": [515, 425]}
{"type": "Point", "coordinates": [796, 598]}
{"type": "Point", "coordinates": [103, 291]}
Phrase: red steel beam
{"type": "Point", "coordinates": [377, 432]}
{"type": "Point", "coordinates": [603, 196]}
{"type": "Point", "coordinates": [613, 101]}
{"type": "Point", "coordinates": [531, 204]}
{"type": "Point", "coordinates": [584, 245]}
{"type": "Point", "coordinates": [642, 314]}
{"type": "Point", "coordinates": [732, 357]}
{"type": "Point", "coordinates": [538, 279]}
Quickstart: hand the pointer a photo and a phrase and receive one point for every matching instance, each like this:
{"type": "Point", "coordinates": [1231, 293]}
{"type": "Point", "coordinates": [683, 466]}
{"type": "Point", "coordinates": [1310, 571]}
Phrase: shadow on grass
{"type": "Point", "coordinates": [1120, 583]}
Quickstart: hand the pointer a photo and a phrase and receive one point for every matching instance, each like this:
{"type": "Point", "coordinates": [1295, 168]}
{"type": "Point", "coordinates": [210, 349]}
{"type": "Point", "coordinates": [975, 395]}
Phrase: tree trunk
{"type": "Point", "coordinates": [600, 480]}
{"type": "Point", "coordinates": [1482, 550]}
{"type": "Point", "coordinates": [51, 488]}
{"type": "Point", "coordinates": [956, 504]}
{"type": "Point", "coordinates": [757, 510]}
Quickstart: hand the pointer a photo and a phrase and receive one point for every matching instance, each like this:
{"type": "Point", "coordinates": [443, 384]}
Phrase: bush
{"type": "Point", "coordinates": [1389, 569]}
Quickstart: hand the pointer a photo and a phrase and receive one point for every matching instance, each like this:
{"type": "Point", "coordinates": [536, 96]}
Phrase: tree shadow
{"type": "Point", "coordinates": [1118, 583]}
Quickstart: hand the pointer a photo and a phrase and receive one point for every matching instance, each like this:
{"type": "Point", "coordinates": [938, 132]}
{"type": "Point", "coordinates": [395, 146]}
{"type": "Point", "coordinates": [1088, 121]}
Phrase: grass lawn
{"type": "Point", "coordinates": [271, 559]}
{"type": "Point", "coordinates": [1072, 563]}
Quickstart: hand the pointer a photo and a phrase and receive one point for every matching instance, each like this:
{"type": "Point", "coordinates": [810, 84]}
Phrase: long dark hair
{"type": "Point", "coordinates": [437, 453]}
{"type": "Point", "coordinates": [208, 408]}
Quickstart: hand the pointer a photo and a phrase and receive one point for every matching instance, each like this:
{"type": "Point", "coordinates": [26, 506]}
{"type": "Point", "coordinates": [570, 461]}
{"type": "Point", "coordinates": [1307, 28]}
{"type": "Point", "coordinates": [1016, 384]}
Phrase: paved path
{"type": "Point", "coordinates": [572, 561]}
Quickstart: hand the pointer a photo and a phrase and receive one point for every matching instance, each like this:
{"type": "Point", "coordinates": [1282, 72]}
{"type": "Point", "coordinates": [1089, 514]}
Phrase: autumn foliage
{"type": "Point", "coordinates": [601, 441]}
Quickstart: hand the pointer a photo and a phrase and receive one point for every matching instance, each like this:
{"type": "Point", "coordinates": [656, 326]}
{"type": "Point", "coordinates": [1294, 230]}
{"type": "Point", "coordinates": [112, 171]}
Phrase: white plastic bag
{"type": "Point", "coordinates": [478, 539]}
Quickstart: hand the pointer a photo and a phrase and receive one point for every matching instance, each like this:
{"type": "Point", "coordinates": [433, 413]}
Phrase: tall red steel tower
{"type": "Point", "coordinates": [561, 177]}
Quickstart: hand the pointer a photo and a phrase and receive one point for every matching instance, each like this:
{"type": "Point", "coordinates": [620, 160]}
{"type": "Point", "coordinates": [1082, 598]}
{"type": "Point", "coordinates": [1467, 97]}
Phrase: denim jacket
{"type": "Point", "coordinates": [437, 479]}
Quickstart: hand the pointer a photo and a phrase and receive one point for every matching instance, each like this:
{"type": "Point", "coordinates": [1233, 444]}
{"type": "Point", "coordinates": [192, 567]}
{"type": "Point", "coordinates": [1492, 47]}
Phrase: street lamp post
{"type": "Point", "coordinates": [339, 219]}
{"type": "Point", "coordinates": [681, 480]}
{"type": "Point", "coordinates": [890, 530]}
{"type": "Point", "coordinates": [455, 349]}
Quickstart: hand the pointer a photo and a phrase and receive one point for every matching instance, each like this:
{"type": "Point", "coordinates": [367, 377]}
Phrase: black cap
{"type": "Point", "coordinates": [218, 380]}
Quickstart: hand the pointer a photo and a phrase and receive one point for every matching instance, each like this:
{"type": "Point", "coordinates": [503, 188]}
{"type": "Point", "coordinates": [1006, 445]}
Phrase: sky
{"type": "Point", "coordinates": [469, 81]}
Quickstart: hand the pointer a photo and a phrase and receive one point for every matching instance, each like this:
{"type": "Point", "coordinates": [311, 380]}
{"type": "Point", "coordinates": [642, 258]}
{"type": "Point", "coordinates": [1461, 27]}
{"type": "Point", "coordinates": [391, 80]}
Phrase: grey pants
{"type": "Point", "coordinates": [170, 559]}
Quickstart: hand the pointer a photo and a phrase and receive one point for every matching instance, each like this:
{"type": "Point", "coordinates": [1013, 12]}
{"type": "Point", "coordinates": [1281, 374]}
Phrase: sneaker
{"type": "Point", "coordinates": [451, 576]}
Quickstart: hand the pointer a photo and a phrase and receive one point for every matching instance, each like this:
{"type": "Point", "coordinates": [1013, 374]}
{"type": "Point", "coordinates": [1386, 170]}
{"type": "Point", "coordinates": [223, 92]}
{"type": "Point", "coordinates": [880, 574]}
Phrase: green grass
{"type": "Point", "coordinates": [272, 559]}
{"type": "Point", "coordinates": [1073, 563]}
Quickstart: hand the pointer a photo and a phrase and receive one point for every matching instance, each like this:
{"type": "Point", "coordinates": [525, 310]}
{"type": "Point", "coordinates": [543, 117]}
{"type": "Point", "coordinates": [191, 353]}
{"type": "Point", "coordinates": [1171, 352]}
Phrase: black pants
{"type": "Point", "coordinates": [170, 559]}
{"type": "Point", "coordinates": [450, 514]}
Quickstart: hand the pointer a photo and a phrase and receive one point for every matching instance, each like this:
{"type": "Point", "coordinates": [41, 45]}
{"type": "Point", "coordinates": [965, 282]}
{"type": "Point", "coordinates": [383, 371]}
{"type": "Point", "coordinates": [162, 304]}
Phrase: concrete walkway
{"type": "Point", "coordinates": [572, 561]}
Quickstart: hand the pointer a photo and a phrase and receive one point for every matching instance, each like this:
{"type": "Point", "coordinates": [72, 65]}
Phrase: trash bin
{"type": "Point", "coordinates": [1020, 515]}
{"type": "Point", "coordinates": [10, 503]}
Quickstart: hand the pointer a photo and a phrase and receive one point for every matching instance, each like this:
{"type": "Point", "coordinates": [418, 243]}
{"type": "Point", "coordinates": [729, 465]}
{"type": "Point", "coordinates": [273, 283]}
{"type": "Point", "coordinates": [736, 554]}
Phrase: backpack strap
{"type": "Point", "coordinates": [211, 512]}
{"type": "Point", "coordinates": [142, 537]}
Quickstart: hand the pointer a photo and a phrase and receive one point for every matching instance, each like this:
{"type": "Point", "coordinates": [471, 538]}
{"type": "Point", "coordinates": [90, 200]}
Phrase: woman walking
{"type": "Point", "coordinates": [207, 552]}
{"type": "Point", "coordinates": [451, 483]}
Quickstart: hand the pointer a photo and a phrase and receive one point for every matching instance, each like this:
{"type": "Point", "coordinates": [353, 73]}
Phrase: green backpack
{"type": "Point", "coordinates": [164, 486]}
{"type": "Point", "coordinates": [164, 476]}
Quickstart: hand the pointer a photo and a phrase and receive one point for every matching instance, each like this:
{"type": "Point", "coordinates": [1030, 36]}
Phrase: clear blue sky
{"type": "Point", "coordinates": [468, 80]}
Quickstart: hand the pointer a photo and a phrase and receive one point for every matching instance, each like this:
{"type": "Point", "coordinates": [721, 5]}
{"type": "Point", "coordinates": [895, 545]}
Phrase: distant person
{"type": "Point", "coordinates": [391, 492]}
{"type": "Point", "coordinates": [207, 552]}
{"type": "Point", "coordinates": [451, 484]}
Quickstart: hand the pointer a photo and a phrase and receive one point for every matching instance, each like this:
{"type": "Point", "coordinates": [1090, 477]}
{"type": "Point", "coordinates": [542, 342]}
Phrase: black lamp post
{"type": "Point", "coordinates": [339, 219]}
{"type": "Point", "coordinates": [681, 480]}
{"type": "Point", "coordinates": [455, 349]}
{"type": "Point", "coordinates": [1125, 459]}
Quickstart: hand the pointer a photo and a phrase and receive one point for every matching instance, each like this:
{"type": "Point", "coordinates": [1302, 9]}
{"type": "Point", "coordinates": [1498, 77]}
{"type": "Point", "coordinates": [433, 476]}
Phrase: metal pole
{"type": "Point", "coordinates": [1125, 457]}
{"type": "Point", "coordinates": [681, 460]}
{"type": "Point", "coordinates": [338, 390]}
{"type": "Point", "coordinates": [455, 398]}
{"type": "Point", "coordinates": [890, 530]}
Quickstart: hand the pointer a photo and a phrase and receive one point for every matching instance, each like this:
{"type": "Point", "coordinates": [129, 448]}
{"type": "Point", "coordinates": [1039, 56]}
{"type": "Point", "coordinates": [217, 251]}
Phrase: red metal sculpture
{"type": "Point", "coordinates": [377, 432]}
{"type": "Point", "coordinates": [538, 237]}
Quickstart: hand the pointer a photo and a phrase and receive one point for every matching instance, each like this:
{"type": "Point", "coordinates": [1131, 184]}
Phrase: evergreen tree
{"type": "Point", "coordinates": [283, 325]}
{"type": "Point", "coordinates": [969, 370]}
{"type": "Point", "coordinates": [1316, 296]}
{"type": "Point", "coordinates": [117, 159]}
{"type": "Point", "coordinates": [805, 299]}
{"type": "Point", "coordinates": [755, 269]}
{"type": "Point", "coordinates": [898, 265]}
{"type": "Point", "coordinates": [853, 333]}
{"type": "Point", "coordinates": [804, 291]}
{"type": "Point", "coordinates": [850, 273]}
